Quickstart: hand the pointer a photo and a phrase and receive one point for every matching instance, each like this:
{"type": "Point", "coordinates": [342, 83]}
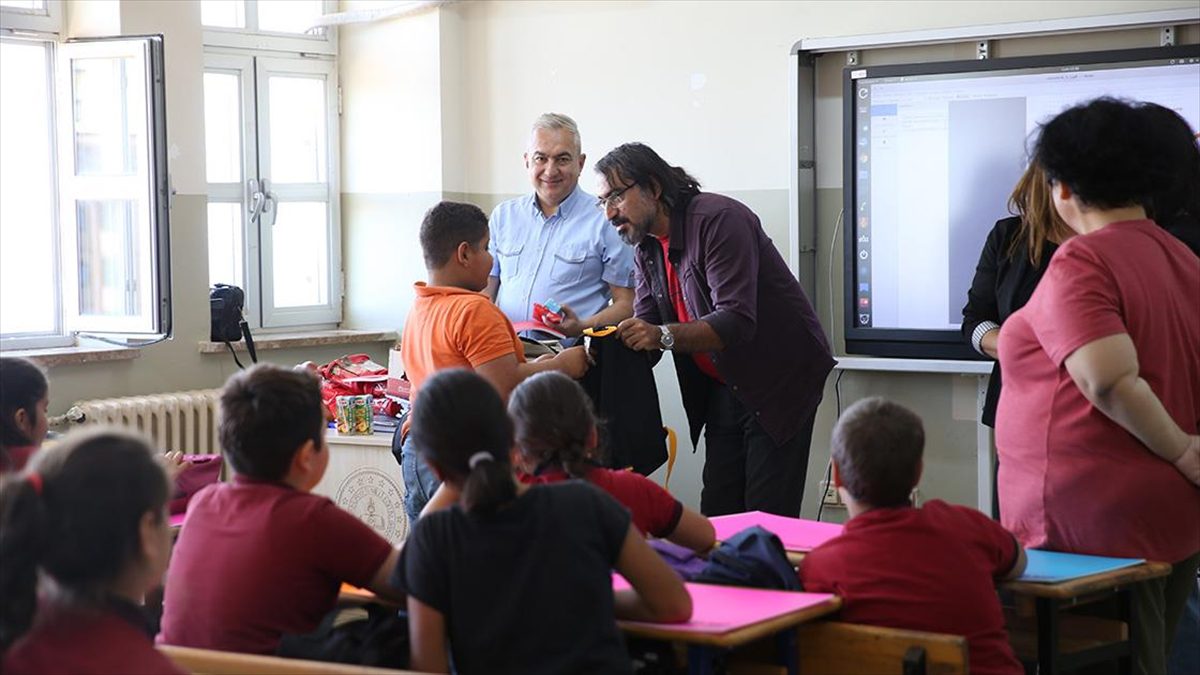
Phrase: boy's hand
{"type": "Point", "coordinates": [569, 325]}
{"type": "Point", "coordinates": [572, 362]}
{"type": "Point", "coordinates": [173, 464]}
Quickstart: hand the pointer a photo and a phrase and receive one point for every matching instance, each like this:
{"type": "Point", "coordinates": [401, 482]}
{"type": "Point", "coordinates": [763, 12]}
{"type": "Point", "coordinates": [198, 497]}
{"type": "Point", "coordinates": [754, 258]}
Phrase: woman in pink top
{"type": "Point", "coordinates": [1097, 432]}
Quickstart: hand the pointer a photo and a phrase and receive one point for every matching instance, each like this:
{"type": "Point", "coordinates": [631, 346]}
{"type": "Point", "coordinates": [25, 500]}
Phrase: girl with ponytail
{"type": "Point", "coordinates": [558, 439]}
{"type": "Point", "coordinates": [503, 575]}
{"type": "Point", "coordinates": [24, 397]}
{"type": "Point", "coordinates": [89, 517]}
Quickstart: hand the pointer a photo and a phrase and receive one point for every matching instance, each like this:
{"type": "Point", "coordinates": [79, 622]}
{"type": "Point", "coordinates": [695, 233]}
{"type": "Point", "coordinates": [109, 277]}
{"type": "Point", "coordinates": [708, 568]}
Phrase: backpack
{"type": "Point", "coordinates": [225, 303]}
{"type": "Point", "coordinates": [369, 635]}
{"type": "Point", "coordinates": [683, 560]}
{"type": "Point", "coordinates": [754, 558]}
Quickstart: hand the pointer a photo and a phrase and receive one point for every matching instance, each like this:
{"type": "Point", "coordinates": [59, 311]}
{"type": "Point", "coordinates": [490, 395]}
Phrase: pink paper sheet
{"type": "Point", "coordinates": [175, 520]}
{"type": "Point", "coordinates": [723, 609]}
{"type": "Point", "coordinates": [796, 534]}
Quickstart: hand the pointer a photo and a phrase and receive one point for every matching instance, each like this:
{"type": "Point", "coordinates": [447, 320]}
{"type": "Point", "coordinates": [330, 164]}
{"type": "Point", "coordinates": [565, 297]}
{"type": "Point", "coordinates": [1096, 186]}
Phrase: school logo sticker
{"type": "Point", "coordinates": [377, 500]}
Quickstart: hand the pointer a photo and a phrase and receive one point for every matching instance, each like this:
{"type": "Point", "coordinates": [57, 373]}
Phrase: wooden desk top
{"type": "Point", "coordinates": [1090, 584]}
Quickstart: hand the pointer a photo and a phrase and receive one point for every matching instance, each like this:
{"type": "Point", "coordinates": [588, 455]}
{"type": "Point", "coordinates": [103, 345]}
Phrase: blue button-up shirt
{"type": "Point", "coordinates": [571, 256]}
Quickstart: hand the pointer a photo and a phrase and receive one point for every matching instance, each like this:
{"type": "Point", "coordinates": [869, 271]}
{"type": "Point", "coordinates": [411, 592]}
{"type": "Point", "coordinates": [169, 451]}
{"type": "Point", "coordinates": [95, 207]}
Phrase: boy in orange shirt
{"type": "Point", "coordinates": [453, 325]}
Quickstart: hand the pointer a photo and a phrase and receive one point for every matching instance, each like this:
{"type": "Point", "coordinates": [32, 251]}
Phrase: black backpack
{"type": "Point", "coordinates": [754, 558]}
{"type": "Point", "coordinates": [226, 303]}
{"type": "Point", "coordinates": [369, 635]}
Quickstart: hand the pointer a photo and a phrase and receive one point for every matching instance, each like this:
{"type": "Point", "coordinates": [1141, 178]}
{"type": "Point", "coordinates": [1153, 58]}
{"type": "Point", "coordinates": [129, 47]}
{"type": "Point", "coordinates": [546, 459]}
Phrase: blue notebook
{"type": "Point", "coordinates": [1050, 567]}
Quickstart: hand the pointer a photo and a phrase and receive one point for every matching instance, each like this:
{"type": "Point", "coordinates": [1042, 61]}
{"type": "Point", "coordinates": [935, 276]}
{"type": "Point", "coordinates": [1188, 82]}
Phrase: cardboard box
{"type": "Point", "coordinates": [396, 384]}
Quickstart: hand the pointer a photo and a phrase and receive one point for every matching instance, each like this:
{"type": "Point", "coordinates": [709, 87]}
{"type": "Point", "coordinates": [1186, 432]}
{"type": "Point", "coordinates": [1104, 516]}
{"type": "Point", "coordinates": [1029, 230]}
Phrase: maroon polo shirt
{"type": "Point", "coordinates": [88, 640]}
{"type": "Point", "coordinates": [256, 560]}
{"type": "Point", "coordinates": [932, 568]}
{"type": "Point", "coordinates": [655, 511]}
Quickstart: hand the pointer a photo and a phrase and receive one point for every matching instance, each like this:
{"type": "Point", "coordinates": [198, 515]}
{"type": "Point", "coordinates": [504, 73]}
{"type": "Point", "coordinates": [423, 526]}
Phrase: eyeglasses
{"type": "Point", "coordinates": [614, 198]}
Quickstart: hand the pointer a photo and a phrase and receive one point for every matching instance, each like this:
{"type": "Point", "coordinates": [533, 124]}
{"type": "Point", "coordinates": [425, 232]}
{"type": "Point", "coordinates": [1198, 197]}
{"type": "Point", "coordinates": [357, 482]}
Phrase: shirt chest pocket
{"type": "Point", "coordinates": [508, 255]}
{"type": "Point", "coordinates": [570, 263]}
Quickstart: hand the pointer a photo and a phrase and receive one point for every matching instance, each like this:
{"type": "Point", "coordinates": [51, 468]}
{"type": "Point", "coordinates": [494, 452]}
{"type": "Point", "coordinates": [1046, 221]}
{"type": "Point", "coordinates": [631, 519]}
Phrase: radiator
{"type": "Point", "coordinates": [185, 421]}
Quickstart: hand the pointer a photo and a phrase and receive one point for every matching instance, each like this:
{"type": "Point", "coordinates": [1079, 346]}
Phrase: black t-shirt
{"type": "Point", "coordinates": [527, 589]}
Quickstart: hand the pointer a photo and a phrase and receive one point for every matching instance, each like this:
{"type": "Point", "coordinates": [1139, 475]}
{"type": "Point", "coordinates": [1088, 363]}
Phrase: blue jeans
{"type": "Point", "coordinates": [419, 481]}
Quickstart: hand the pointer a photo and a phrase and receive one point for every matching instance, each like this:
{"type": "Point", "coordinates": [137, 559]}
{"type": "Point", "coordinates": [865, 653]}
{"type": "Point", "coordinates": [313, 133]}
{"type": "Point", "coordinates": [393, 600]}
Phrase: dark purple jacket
{"type": "Point", "coordinates": [776, 357]}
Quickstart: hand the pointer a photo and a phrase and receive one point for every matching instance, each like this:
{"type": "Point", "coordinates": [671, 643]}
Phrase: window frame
{"type": "Point", "coordinates": [48, 20]}
{"type": "Point", "coordinates": [253, 68]}
{"type": "Point", "coordinates": [157, 316]}
{"type": "Point", "coordinates": [253, 39]}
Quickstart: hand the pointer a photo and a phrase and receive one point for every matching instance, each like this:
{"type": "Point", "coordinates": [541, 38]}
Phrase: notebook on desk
{"type": "Point", "coordinates": [796, 534]}
{"type": "Point", "coordinates": [1052, 567]}
{"type": "Point", "coordinates": [723, 609]}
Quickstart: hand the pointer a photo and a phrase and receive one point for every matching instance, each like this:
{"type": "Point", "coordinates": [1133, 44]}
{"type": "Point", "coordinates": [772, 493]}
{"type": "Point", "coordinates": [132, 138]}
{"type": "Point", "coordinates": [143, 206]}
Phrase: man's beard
{"type": "Point", "coordinates": [634, 233]}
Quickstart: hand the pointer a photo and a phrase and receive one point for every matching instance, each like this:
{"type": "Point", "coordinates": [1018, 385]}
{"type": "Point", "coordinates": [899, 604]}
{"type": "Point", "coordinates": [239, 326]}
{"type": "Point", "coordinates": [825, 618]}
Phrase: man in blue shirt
{"type": "Point", "coordinates": [555, 243]}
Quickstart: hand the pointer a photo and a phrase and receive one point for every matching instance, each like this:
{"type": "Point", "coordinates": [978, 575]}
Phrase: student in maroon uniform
{"type": "Point", "coordinates": [24, 397]}
{"type": "Point", "coordinates": [90, 516]}
{"type": "Point", "coordinates": [261, 557]}
{"type": "Point", "coordinates": [932, 568]}
{"type": "Point", "coordinates": [556, 432]}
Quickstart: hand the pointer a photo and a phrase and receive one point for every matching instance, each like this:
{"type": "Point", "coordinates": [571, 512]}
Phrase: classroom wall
{"type": "Point", "coordinates": [437, 105]}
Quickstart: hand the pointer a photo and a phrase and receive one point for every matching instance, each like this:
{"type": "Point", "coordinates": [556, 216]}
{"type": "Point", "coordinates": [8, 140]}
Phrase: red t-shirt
{"type": "Point", "coordinates": [703, 360]}
{"type": "Point", "coordinates": [1071, 479]}
{"type": "Point", "coordinates": [87, 641]}
{"type": "Point", "coordinates": [654, 511]}
{"type": "Point", "coordinates": [256, 560]}
{"type": "Point", "coordinates": [932, 569]}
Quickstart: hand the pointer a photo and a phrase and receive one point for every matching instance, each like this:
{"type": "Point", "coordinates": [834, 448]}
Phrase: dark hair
{"type": "Point", "coordinates": [877, 445]}
{"type": "Point", "coordinates": [1176, 205]}
{"type": "Point", "coordinates": [457, 415]}
{"type": "Point", "coordinates": [1108, 153]}
{"type": "Point", "coordinates": [553, 417]}
{"type": "Point", "coordinates": [267, 413]}
{"type": "Point", "coordinates": [22, 385]}
{"type": "Point", "coordinates": [447, 225]}
{"type": "Point", "coordinates": [83, 528]}
{"type": "Point", "coordinates": [637, 164]}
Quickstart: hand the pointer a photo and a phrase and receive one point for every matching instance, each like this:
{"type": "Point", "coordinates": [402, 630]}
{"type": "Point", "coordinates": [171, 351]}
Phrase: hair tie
{"type": "Point", "coordinates": [481, 456]}
{"type": "Point", "coordinates": [35, 479]}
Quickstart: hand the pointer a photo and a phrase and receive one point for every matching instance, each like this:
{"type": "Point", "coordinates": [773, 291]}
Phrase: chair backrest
{"type": "Point", "coordinates": [212, 662]}
{"type": "Point", "coordinates": [830, 647]}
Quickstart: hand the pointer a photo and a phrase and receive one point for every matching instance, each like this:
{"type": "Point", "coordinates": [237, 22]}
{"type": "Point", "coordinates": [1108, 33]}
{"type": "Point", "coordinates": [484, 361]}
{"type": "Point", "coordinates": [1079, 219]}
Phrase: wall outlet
{"type": "Point", "coordinates": [830, 496]}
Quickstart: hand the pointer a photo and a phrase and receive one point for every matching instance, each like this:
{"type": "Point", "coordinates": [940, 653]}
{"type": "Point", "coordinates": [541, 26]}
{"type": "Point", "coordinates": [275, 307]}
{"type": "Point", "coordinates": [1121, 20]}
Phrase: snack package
{"type": "Point", "coordinates": [354, 415]}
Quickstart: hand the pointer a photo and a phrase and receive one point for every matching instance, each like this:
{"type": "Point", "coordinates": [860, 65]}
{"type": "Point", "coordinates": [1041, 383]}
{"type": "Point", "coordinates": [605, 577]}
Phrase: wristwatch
{"type": "Point", "coordinates": [667, 340]}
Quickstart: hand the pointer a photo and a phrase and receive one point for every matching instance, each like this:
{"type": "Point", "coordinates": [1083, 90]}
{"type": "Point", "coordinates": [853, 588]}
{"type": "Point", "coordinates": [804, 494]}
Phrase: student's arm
{"type": "Point", "coordinates": [427, 638]}
{"type": "Point", "coordinates": [694, 531]}
{"type": "Point", "coordinates": [657, 595]}
{"type": "Point", "coordinates": [505, 372]}
{"type": "Point", "coordinates": [493, 287]}
{"type": "Point", "coordinates": [1018, 567]}
{"type": "Point", "coordinates": [1107, 373]}
{"type": "Point", "coordinates": [443, 498]}
{"type": "Point", "coordinates": [381, 584]}
{"type": "Point", "coordinates": [620, 309]}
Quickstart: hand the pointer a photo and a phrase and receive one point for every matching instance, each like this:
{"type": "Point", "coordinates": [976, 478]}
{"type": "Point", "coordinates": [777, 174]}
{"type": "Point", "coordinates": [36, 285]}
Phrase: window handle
{"type": "Point", "coordinates": [270, 203]}
{"type": "Point", "coordinates": [256, 198]}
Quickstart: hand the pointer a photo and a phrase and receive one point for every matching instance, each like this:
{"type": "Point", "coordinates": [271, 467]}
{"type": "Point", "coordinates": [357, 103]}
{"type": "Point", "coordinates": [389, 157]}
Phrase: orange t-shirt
{"type": "Point", "coordinates": [453, 328]}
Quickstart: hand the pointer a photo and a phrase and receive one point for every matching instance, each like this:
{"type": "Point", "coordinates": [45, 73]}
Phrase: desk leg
{"type": "Point", "coordinates": [1047, 623]}
{"type": "Point", "coordinates": [788, 655]}
{"type": "Point", "coordinates": [700, 659]}
{"type": "Point", "coordinates": [1126, 610]}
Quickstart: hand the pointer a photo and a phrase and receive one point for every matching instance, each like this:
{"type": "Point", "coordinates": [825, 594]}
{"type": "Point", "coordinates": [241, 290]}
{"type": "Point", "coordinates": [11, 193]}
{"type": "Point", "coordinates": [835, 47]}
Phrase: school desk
{"type": "Point", "coordinates": [798, 535]}
{"type": "Point", "coordinates": [724, 617]}
{"type": "Point", "coordinates": [1055, 653]}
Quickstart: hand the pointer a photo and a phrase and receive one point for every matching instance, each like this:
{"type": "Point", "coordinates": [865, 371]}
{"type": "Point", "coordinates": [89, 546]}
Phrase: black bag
{"type": "Point", "coordinates": [754, 558]}
{"type": "Point", "coordinates": [228, 325]}
{"type": "Point", "coordinates": [367, 635]}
